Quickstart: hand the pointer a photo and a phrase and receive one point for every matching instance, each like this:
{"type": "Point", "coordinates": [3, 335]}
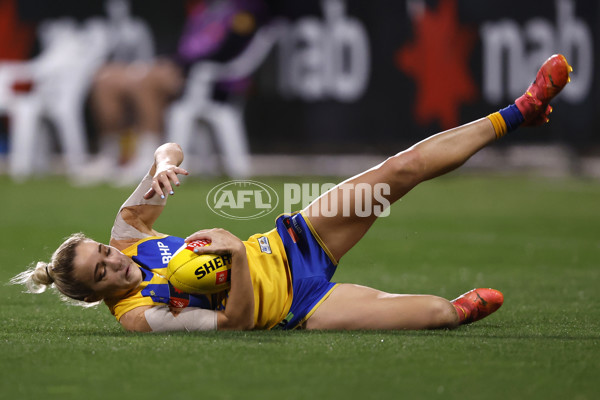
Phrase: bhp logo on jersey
{"type": "Point", "coordinates": [165, 252]}
{"type": "Point", "coordinates": [242, 199]}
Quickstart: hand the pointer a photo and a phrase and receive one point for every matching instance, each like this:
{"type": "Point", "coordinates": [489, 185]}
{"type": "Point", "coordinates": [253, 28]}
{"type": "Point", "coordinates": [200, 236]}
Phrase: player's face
{"type": "Point", "coordinates": [104, 269]}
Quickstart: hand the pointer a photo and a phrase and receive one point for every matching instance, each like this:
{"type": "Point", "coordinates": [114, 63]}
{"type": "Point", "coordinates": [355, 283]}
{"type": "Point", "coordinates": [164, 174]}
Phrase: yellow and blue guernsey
{"type": "Point", "coordinates": [289, 266]}
{"type": "Point", "coordinates": [152, 255]}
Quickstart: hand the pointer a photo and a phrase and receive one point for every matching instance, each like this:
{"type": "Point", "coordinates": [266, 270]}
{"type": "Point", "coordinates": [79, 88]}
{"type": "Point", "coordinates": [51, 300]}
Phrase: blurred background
{"type": "Point", "coordinates": [266, 87]}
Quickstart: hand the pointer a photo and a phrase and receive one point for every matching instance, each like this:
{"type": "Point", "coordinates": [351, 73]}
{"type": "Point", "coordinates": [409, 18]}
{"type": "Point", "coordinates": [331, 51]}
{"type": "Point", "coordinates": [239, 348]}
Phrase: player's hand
{"type": "Point", "coordinates": [164, 179]}
{"type": "Point", "coordinates": [221, 242]}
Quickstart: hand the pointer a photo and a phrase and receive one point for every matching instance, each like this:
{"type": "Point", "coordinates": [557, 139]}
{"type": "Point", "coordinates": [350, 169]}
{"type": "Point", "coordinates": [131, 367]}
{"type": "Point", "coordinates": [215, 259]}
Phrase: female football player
{"type": "Point", "coordinates": [282, 278]}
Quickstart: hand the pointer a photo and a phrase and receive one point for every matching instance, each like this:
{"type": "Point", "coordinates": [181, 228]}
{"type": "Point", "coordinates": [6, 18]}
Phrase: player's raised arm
{"type": "Point", "coordinates": [137, 215]}
{"type": "Point", "coordinates": [167, 159]}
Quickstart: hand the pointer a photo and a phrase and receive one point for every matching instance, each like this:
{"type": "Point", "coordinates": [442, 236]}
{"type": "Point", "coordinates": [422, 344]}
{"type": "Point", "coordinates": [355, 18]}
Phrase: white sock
{"type": "Point", "coordinates": [145, 146]}
{"type": "Point", "coordinates": [110, 147]}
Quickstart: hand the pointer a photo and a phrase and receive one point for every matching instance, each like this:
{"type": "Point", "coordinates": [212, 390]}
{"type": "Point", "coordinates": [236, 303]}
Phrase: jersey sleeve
{"type": "Point", "coordinates": [127, 304]}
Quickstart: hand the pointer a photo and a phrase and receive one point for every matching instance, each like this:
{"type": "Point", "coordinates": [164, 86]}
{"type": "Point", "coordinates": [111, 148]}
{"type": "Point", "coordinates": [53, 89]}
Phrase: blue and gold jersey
{"type": "Point", "coordinates": [152, 255]}
{"type": "Point", "coordinates": [290, 268]}
{"type": "Point", "coordinates": [271, 279]}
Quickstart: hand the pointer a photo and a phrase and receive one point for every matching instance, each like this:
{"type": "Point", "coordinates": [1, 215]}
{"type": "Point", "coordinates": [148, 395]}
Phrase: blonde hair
{"type": "Point", "coordinates": [58, 274]}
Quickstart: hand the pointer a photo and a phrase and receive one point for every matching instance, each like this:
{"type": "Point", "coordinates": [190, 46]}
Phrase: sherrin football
{"type": "Point", "coordinates": [199, 273]}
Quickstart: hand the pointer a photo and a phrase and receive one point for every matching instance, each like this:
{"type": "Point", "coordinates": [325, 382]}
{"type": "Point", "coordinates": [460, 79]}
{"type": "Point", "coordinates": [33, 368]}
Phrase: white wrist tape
{"type": "Point", "coordinates": [161, 319]}
{"type": "Point", "coordinates": [137, 197]}
{"type": "Point", "coordinates": [122, 230]}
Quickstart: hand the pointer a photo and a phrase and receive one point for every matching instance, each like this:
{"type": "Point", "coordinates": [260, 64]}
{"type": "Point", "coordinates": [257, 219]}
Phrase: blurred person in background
{"type": "Point", "coordinates": [132, 95]}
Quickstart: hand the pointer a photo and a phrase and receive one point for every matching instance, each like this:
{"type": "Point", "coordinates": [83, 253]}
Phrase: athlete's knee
{"type": "Point", "coordinates": [406, 168]}
{"type": "Point", "coordinates": [162, 79]}
{"type": "Point", "coordinates": [441, 313]}
{"type": "Point", "coordinates": [111, 78]}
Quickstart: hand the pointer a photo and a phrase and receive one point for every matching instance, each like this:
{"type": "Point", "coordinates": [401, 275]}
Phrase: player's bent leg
{"type": "Point", "coordinates": [333, 215]}
{"type": "Point", "coordinates": [351, 307]}
{"type": "Point", "coordinates": [432, 157]}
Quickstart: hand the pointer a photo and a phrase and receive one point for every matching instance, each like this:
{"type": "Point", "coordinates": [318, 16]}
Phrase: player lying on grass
{"type": "Point", "coordinates": [281, 278]}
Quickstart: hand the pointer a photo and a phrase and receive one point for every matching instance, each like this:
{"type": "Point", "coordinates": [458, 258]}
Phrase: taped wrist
{"type": "Point", "coordinates": [161, 319]}
{"type": "Point", "coordinates": [121, 229]}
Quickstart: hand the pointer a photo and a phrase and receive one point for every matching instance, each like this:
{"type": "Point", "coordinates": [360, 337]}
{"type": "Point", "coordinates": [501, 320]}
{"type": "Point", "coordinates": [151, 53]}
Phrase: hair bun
{"type": "Point", "coordinates": [40, 277]}
{"type": "Point", "coordinates": [41, 274]}
{"type": "Point", "coordinates": [37, 279]}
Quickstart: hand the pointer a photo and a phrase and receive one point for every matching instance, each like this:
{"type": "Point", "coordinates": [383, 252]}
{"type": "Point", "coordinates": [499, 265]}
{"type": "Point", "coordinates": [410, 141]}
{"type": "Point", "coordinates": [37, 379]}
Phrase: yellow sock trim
{"type": "Point", "coordinates": [459, 310]}
{"type": "Point", "coordinates": [499, 124]}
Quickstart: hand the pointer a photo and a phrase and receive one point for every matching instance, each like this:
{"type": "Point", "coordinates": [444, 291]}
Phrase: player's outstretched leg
{"type": "Point", "coordinates": [359, 307]}
{"type": "Point", "coordinates": [477, 304]}
{"type": "Point", "coordinates": [432, 157]}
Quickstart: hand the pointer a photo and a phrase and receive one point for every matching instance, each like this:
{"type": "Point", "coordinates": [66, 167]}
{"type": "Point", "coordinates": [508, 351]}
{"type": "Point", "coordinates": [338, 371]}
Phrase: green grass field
{"type": "Point", "coordinates": [536, 239]}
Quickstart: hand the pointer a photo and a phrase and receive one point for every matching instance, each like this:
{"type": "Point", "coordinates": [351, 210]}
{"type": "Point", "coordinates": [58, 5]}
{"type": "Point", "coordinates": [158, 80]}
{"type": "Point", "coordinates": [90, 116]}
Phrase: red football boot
{"type": "Point", "coordinates": [552, 77]}
{"type": "Point", "coordinates": [477, 304]}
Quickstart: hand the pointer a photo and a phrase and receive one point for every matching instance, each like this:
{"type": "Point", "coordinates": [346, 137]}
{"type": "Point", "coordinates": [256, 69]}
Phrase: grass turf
{"type": "Point", "coordinates": [537, 240]}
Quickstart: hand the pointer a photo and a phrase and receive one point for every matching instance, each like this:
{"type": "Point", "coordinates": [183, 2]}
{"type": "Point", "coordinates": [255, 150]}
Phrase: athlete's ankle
{"type": "Point", "coordinates": [532, 108]}
{"type": "Point", "coordinates": [461, 312]}
{"type": "Point", "coordinates": [506, 120]}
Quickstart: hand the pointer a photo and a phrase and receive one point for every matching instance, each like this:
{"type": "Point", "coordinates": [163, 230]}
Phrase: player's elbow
{"type": "Point", "coordinates": [246, 326]}
{"type": "Point", "coordinates": [229, 323]}
{"type": "Point", "coordinates": [241, 326]}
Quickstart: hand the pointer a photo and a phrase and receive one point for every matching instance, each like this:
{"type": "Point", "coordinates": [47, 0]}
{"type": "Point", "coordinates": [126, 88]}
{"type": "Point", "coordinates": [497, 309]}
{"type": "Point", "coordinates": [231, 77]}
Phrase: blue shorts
{"type": "Point", "coordinates": [311, 266]}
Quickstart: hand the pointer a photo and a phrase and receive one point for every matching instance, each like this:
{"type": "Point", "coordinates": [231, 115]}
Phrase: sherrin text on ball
{"type": "Point", "coordinates": [199, 273]}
